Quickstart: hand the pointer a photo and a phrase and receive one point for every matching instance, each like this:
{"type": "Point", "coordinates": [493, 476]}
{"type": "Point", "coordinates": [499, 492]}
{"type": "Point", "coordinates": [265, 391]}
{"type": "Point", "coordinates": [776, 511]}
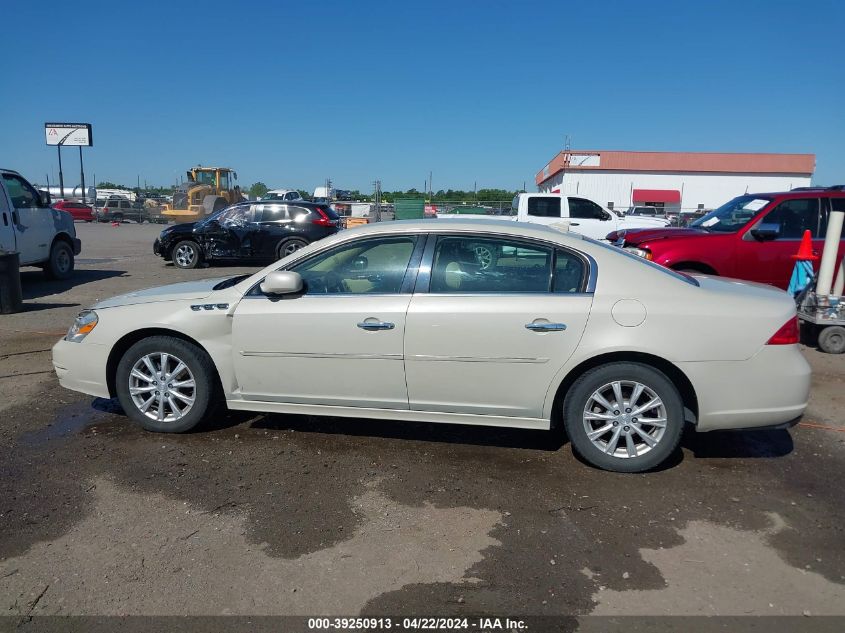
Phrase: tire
{"type": "Point", "coordinates": [599, 380]}
{"type": "Point", "coordinates": [198, 393]}
{"type": "Point", "coordinates": [832, 339]}
{"type": "Point", "coordinates": [117, 217]}
{"type": "Point", "coordinates": [60, 265]}
{"type": "Point", "coordinates": [186, 254]}
{"type": "Point", "coordinates": [485, 256]}
{"type": "Point", "coordinates": [289, 246]}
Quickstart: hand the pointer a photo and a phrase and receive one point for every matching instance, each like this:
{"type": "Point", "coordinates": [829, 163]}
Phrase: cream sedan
{"type": "Point", "coordinates": [470, 322]}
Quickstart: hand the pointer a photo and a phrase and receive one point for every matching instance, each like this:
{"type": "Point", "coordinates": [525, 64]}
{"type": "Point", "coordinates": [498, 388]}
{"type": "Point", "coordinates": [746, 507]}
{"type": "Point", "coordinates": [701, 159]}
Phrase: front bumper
{"type": "Point", "coordinates": [76, 243]}
{"type": "Point", "coordinates": [769, 389]}
{"type": "Point", "coordinates": [82, 367]}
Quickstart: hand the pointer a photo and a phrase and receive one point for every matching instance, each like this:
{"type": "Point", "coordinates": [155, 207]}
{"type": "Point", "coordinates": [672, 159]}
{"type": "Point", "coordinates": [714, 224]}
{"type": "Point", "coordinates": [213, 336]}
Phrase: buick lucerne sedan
{"type": "Point", "coordinates": [470, 322]}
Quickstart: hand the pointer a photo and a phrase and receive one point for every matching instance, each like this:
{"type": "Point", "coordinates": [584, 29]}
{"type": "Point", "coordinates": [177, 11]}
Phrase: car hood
{"type": "Point", "coordinates": [174, 292]}
{"type": "Point", "coordinates": [635, 236]}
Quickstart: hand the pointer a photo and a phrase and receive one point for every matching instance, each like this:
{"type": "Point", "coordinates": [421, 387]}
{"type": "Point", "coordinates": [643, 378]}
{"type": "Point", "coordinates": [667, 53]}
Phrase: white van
{"type": "Point", "coordinates": [42, 235]}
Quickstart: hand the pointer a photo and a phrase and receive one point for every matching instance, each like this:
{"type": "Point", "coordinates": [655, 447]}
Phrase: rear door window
{"type": "Point", "coordinates": [272, 213]}
{"type": "Point", "coordinates": [544, 207]}
{"type": "Point", "coordinates": [468, 264]}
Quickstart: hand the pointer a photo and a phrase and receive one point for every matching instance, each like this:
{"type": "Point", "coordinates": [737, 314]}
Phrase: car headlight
{"type": "Point", "coordinates": [639, 252]}
{"type": "Point", "coordinates": [82, 326]}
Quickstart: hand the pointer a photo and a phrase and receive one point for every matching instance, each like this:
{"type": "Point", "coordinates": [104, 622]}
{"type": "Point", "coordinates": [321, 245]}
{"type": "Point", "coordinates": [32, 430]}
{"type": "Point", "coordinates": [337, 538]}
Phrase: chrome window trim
{"type": "Point", "coordinates": [423, 274]}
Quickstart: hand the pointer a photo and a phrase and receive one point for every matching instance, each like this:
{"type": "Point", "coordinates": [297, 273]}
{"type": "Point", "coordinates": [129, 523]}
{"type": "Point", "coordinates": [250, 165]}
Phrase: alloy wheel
{"type": "Point", "coordinates": [162, 387]}
{"type": "Point", "coordinates": [625, 418]}
{"type": "Point", "coordinates": [184, 255]}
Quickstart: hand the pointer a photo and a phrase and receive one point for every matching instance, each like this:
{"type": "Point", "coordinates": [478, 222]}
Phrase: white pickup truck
{"type": "Point", "coordinates": [582, 216]}
{"type": "Point", "coordinates": [42, 236]}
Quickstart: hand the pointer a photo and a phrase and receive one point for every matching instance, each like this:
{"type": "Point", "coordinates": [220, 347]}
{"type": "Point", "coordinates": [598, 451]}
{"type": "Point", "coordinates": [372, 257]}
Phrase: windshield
{"type": "Point", "coordinates": [731, 216]}
{"type": "Point", "coordinates": [205, 178]}
{"type": "Point", "coordinates": [272, 195]}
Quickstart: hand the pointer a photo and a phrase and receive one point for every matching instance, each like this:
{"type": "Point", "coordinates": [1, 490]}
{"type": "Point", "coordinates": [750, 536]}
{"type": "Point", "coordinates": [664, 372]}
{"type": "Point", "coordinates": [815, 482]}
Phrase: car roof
{"type": "Point", "coordinates": [503, 226]}
{"type": "Point", "coordinates": [801, 193]}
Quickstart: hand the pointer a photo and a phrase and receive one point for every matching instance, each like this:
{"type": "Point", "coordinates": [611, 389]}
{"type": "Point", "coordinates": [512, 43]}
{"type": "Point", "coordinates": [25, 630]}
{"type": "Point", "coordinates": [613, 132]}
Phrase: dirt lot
{"type": "Point", "coordinates": [307, 515]}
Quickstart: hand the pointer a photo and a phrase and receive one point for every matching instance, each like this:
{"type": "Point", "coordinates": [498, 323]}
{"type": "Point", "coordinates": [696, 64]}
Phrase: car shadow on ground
{"type": "Point", "coordinates": [745, 444]}
{"type": "Point", "coordinates": [35, 285]}
{"type": "Point", "coordinates": [416, 431]}
{"type": "Point", "coordinates": [716, 444]}
{"type": "Point", "coordinates": [36, 307]}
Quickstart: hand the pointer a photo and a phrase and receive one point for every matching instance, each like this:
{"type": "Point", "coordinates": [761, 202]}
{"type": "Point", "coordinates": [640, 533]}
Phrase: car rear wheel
{"type": "Point", "coordinates": [60, 264]}
{"type": "Point", "coordinates": [289, 247]}
{"type": "Point", "coordinates": [624, 417]}
{"type": "Point", "coordinates": [832, 339]}
{"type": "Point", "coordinates": [166, 384]}
{"type": "Point", "coordinates": [186, 254]}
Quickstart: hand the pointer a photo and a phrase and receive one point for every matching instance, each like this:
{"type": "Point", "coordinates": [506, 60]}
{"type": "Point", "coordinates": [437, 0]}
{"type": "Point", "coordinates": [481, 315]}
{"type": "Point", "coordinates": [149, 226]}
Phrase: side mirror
{"type": "Point", "coordinates": [44, 198]}
{"type": "Point", "coordinates": [282, 282]}
{"type": "Point", "coordinates": [360, 263]}
{"type": "Point", "coordinates": [766, 231]}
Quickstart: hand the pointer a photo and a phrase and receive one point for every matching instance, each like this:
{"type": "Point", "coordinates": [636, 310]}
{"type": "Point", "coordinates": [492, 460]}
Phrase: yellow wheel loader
{"type": "Point", "coordinates": [207, 190]}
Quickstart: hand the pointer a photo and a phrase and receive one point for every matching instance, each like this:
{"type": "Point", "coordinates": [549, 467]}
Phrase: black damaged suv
{"type": "Point", "coordinates": [247, 231]}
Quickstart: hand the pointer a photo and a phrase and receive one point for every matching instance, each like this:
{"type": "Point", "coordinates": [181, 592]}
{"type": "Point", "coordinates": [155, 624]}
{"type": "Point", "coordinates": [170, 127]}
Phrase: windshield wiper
{"type": "Point", "coordinates": [232, 281]}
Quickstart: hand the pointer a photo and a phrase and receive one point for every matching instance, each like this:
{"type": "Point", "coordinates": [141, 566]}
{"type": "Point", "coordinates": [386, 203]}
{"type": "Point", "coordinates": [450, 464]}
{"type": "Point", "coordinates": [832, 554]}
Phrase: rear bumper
{"type": "Point", "coordinates": [769, 389]}
{"type": "Point", "coordinates": [82, 367]}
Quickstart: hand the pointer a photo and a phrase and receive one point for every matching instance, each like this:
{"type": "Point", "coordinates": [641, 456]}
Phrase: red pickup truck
{"type": "Point", "coordinates": [751, 237]}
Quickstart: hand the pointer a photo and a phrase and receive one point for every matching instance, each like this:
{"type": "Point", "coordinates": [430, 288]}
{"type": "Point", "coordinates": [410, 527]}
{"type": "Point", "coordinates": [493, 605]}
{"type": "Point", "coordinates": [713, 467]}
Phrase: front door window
{"type": "Point", "coordinates": [372, 266]}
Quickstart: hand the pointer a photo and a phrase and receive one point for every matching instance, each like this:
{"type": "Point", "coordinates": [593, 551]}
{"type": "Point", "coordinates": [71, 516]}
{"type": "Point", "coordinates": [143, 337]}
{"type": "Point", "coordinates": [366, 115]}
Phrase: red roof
{"type": "Point", "coordinates": [673, 162]}
{"type": "Point", "coordinates": [671, 196]}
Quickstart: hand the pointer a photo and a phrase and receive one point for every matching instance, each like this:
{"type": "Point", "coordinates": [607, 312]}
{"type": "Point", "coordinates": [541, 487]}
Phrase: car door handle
{"type": "Point", "coordinates": [545, 327]}
{"type": "Point", "coordinates": [574, 224]}
{"type": "Point", "coordinates": [372, 326]}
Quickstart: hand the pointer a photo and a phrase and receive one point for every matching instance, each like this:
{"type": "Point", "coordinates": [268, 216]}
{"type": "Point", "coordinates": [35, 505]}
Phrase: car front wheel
{"type": "Point", "coordinates": [166, 384]}
{"type": "Point", "coordinates": [186, 254]}
{"type": "Point", "coordinates": [60, 264]}
{"type": "Point", "coordinates": [624, 417]}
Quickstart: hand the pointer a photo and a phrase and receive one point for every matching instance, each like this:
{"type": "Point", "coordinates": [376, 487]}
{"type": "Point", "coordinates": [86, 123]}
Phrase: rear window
{"type": "Point", "coordinates": [330, 212]}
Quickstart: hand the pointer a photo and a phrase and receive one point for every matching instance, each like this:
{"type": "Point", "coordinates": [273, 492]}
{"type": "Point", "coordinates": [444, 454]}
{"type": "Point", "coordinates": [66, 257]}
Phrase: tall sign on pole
{"type": "Point", "coordinates": [78, 134]}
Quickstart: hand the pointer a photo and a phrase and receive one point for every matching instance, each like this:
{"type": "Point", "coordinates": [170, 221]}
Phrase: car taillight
{"type": "Point", "coordinates": [788, 334]}
{"type": "Point", "coordinates": [323, 220]}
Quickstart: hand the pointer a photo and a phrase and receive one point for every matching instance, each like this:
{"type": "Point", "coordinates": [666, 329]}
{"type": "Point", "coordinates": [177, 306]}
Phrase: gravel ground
{"type": "Point", "coordinates": [273, 514]}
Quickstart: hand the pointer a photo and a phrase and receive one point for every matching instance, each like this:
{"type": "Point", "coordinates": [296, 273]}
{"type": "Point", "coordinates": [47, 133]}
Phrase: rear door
{"type": "Point", "coordinates": [492, 320]}
{"type": "Point", "coordinates": [34, 223]}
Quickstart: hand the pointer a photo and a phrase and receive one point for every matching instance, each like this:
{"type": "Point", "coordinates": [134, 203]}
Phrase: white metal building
{"type": "Point", "coordinates": [671, 180]}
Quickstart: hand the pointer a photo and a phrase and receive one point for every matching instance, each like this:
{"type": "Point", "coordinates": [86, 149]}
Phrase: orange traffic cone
{"type": "Point", "coordinates": [805, 251]}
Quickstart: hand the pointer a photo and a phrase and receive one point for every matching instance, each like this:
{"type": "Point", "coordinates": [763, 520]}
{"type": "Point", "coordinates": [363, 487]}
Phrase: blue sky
{"type": "Point", "coordinates": [290, 93]}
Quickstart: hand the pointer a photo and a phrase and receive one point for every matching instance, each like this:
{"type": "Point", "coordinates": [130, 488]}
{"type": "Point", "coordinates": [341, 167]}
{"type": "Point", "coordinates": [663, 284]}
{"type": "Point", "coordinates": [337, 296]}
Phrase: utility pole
{"type": "Point", "coordinates": [61, 175]}
{"type": "Point", "coordinates": [376, 212]}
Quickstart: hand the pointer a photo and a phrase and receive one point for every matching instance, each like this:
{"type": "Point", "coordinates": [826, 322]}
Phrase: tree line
{"type": "Point", "coordinates": [258, 189]}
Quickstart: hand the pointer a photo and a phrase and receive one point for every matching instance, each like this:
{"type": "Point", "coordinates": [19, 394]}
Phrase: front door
{"type": "Point", "coordinates": [338, 343]}
{"type": "Point", "coordinates": [223, 236]}
{"type": "Point", "coordinates": [588, 218]}
{"type": "Point", "coordinates": [34, 223]}
{"type": "Point", "coordinates": [771, 261]}
{"type": "Point", "coordinates": [487, 336]}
